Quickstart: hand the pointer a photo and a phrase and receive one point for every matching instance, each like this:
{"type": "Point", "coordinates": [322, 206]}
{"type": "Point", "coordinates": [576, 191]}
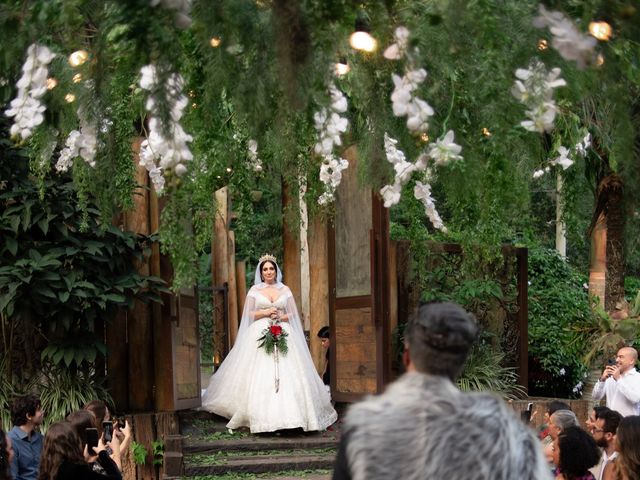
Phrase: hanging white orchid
{"type": "Point", "coordinates": [570, 43]}
{"type": "Point", "coordinates": [396, 51]}
{"type": "Point", "coordinates": [252, 152]}
{"type": "Point", "coordinates": [534, 88]}
{"type": "Point", "coordinates": [562, 159]}
{"type": "Point", "coordinates": [422, 192]}
{"type": "Point", "coordinates": [330, 125]}
{"type": "Point", "coordinates": [182, 10]}
{"type": "Point", "coordinates": [445, 150]}
{"type": "Point", "coordinates": [26, 109]}
{"type": "Point", "coordinates": [160, 152]}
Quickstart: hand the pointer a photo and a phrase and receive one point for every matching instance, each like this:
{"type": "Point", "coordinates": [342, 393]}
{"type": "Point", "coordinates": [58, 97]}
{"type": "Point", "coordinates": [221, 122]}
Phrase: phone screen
{"type": "Point", "coordinates": [107, 428]}
{"type": "Point", "coordinates": [92, 439]}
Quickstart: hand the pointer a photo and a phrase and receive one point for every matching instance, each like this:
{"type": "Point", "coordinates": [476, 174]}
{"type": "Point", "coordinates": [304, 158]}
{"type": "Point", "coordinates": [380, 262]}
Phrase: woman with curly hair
{"type": "Point", "coordinates": [627, 465]}
{"type": "Point", "coordinates": [6, 454]}
{"type": "Point", "coordinates": [574, 453]}
{"type": "Point", "coordinates": [63, 458]}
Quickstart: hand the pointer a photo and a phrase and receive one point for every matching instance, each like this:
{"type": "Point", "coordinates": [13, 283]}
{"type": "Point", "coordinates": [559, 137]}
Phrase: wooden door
{"type": "Point", "coordinates": [358, 289]}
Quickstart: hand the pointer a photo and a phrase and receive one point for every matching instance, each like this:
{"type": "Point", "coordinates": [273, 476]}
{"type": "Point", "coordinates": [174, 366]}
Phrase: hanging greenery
{"type": "Point", "coordinates": [226, 83]}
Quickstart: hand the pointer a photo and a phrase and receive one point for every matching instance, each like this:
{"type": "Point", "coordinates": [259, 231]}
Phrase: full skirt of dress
{"type": "Point", "coordinates": [244, 388]}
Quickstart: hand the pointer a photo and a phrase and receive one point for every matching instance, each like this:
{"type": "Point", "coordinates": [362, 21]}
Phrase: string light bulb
{"type": "Point", "coordinates": [600, 60]}
{"type": "Point", "coordinates": [51, 83]}
{"type": "Point", "coordinates": [424, 137]}
{"type": "Point", "coordinates": [543, 44]}
{"type": "Point", "coordinates": [361, 39]}
{"type": "Point", "coordinates": [215, 42]}
{"type": "Point", "coordinates": [77, 78]}
{"type": "Point", "coordinates": [600, 30]}
{"type": "Point", "coordinates": [78, 57]}
{"type": "Point", "coordinates": [70, 98]}
{"type": "Point", "coordinates": [486, 132]}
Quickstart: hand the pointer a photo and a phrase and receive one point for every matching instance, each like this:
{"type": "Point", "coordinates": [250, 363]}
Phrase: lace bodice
{"type": "Point", "coordinates": [263, 302]}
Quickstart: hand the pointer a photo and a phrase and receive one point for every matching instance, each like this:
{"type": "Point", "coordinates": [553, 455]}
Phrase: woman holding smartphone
{"type": "Point", "coordinates": [63, 457]}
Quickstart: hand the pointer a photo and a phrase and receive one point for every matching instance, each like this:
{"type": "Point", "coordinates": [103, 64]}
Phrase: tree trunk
{"type": "Point", "coordinates": [612, 189]}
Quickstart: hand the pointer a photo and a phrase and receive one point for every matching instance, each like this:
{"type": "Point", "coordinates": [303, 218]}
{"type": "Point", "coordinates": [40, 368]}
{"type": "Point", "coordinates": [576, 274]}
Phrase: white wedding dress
{"type": "Point", "coordinates": [243, 389]}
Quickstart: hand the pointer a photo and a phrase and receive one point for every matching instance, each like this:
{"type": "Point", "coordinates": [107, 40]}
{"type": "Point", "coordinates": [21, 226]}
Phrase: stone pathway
{"type": "Point", "coordinates": [210, 450]}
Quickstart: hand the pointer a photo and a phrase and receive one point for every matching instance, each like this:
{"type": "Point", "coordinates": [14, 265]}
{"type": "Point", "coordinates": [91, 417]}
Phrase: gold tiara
{"type": "Point", "coordinates": [267, 256]}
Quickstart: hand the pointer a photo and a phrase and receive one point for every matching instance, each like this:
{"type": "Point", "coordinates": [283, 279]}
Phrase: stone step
{"type": "Point", "coordinates": [262, 464]}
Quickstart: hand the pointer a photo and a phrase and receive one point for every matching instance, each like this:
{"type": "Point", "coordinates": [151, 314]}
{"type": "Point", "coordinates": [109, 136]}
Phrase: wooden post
{"type": "Point", "coordinates": [393, 288]}
{"type": "Point", "coordinates": [233, 291]}
{"type": "Point", "coordinates": [318, 287]}
{"type": "Point", "coordinates": [291, 245]}
{"type": "Point", "coordinates": [598, 267]}
{"type": "Point", "coordinates": [241, 286]}
{"type": "Point", "coordinates": [141, 369]}
{"type": "Point", "coordinates": [117, 361]}
{"type": "Point", "coordinates": [220, 273]}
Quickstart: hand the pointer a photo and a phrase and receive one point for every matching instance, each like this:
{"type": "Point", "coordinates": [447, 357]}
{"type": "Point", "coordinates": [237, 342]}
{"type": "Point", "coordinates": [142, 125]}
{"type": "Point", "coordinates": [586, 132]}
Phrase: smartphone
{"type": "Point", "coordinates": [92, 439]}
{"type": "Point", "coordinates": [611, 361]}
{"type": "Point", "coordinates": [107, 429]}
{"type": "Point", "coordinates": [525, 415]}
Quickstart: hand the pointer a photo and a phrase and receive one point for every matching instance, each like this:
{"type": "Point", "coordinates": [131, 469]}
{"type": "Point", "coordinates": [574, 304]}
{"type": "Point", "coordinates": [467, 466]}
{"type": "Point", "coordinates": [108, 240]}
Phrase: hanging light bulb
{"type": "Point", "coordinates": [77, 78]}
{"type": "Point", "coordinates": [600, 60]}
{"type": "Point", "coordinates": [424, 137]}
{"type": "Point", "coordinates": [486, 132]}
{"type": "Point", "coordinates": [78, 57]}
{"type": "Point", "coordinates": [70, 98]}
{"type": "Point", "coordinates": [341, 67]}
{"type": "Point", "coordinates": [215, 42]}
{"type": "Point", "coordinates": [601, 30]}
{"type": "Point", "coordinates": [51, 83]}
{"type": "Point", "coordinates": [361, 39]}
{"type": "Point", "coordinates": [543, 44]}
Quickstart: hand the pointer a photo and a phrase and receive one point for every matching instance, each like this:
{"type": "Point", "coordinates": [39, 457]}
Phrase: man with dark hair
{"type": "Point", "coordinates": [27, 416]}
{"type": "Point", "coordinates": [422, 426]}
{"type": "Point", "coordinates": [604, 432]}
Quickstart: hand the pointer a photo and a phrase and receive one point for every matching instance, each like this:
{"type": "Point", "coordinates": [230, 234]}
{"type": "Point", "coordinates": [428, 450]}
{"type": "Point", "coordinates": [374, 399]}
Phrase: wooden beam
{"type": "Point", "coordinates": [140, 330]}
{"type": "Point", "coordinates": [233, 291]}
{"type": "Point", "coordinates": [241, 286]}
{"type": "Point", "coordinates": [291, 244]}
{"type": "Point", "coordinates": [318, 287]}
{"type": "Point", "coordinates": [220, 272]}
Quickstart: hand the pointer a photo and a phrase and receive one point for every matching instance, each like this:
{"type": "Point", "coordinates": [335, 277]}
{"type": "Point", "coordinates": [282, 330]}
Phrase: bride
{"type": "Point", "coordinates": [269, 391]}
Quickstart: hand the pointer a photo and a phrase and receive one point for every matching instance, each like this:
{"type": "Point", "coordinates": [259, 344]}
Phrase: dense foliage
{"type": "Point", "coordinates": [61, 270]}
{"type": "Point", "coordinates": [265, 74]}
{"type": "Point", "coordinates": [557, 300]}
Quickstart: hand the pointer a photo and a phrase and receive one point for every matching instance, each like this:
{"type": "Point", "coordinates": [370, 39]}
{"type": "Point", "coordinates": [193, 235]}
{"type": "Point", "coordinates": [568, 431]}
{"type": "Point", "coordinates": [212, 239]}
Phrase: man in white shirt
{"type": "Point", "coordinates": [604, 431]}
{"type": "Point", "coordinates": [620, 383]}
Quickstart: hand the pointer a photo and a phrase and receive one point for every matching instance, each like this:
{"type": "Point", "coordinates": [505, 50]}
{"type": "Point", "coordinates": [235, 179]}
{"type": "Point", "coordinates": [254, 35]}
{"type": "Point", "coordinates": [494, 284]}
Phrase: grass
{"type": "Point", "coordinates": [246, 476]}
{"type": "Point", "coordinates": [219, 458]}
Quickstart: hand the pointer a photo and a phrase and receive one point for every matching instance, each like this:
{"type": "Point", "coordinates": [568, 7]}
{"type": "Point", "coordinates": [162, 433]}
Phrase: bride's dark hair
{"type": "Point", "coordinates": [262, 265]}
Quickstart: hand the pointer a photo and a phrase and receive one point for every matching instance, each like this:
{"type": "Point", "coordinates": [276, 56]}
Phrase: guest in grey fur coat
{"type": "Point", "coordinates": [423, 427]}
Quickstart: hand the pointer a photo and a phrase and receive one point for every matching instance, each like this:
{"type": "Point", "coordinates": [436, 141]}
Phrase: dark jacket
{"type": "Point", "coordinates": [76, 471]}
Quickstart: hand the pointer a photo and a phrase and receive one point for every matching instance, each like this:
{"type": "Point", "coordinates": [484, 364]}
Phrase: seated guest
{"type": "Point", "coordinates": [6, 455]}
{"type": "Point", "coordinates": [424, 427]}
{"type": "Point", "coordinates": [83, 419]}
{"type": "Point", "coordinates": [552, 408]}
{"type": "Point", "coordinates": [63, 458]}
{"type": "Point", "coordinates": [627, 464]}
{"type": "Point", "coordinates": [27, 416]}
{"type": "Point", "coordinates": [558, 422]}
{"type": "Point", "coordinates": [604, 433]}
{"type": "Point", "coordinates": [574, 453]}
{"type": "Point", "coordinates": [595, 414]}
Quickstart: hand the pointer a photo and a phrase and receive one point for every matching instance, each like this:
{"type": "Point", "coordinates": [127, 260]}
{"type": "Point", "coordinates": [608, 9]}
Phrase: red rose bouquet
{"type": "Point", "coordinates": [274, 338]}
